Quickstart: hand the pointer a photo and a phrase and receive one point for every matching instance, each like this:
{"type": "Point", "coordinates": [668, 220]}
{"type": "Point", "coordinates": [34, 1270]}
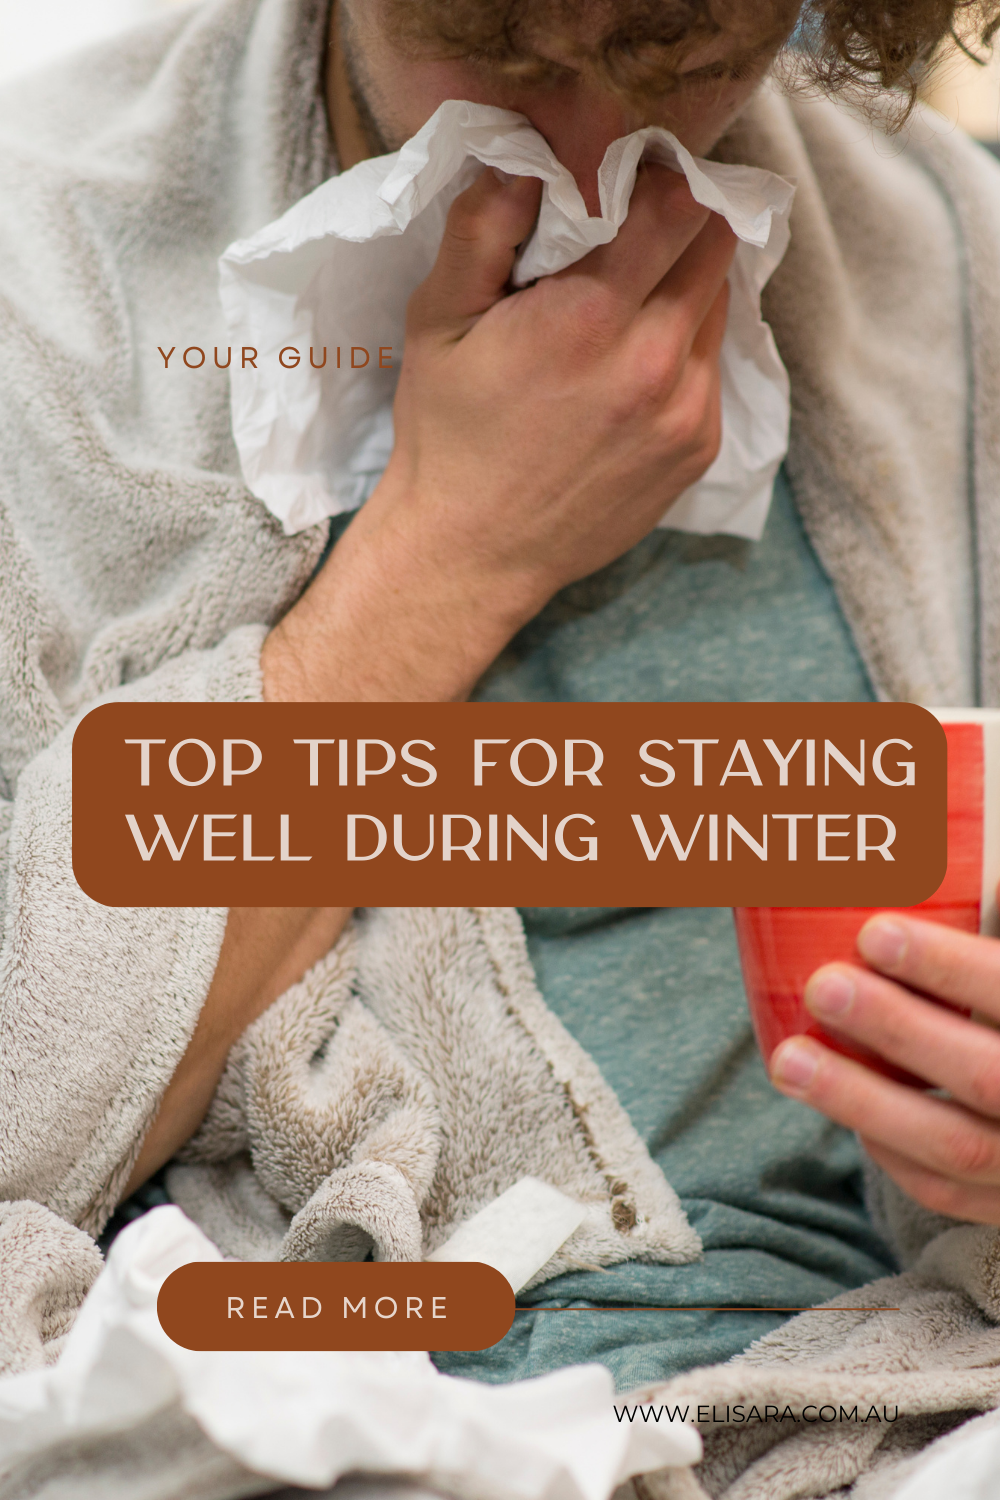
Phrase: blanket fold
{"type": "Point", "coordinates": [411, 1078]}
{"type": "Point", "coordinates": [46, 1269]}
{"type": "Point", "coordinates": [842, 1398]}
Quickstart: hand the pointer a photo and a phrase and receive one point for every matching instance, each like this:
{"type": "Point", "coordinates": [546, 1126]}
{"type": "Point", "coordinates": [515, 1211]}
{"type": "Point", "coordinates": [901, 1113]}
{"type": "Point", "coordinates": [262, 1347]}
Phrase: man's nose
{"type": "Point", "coordinates": [579, 124]}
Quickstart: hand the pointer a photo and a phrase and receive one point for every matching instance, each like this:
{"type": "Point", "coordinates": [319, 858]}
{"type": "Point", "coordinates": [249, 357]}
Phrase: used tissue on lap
{"type": "Point", "coordinates": [305, 1417]}
{"type": "Point", "coordinates": [339, 268]}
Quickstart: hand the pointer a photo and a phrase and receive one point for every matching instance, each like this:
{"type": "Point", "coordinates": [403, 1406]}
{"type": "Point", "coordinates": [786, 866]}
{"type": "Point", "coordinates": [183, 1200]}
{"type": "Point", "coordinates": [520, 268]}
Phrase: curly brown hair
{"type": "Point", "coordinates": [636, 47]}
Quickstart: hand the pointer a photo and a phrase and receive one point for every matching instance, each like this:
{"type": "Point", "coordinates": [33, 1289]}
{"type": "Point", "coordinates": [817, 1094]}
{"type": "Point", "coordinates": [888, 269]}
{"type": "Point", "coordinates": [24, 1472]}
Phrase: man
{"type": "Point", "coordinates": [379, 95]}
{"type": "Point", "coordinates": [947, 1156]}
{"type": "Point", "coordinates": [135, 562]}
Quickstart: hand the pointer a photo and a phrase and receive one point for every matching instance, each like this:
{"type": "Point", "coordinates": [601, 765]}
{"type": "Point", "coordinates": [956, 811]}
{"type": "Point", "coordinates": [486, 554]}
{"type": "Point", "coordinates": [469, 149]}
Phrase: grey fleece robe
{"type": "Point", "coordinates": [134, 563]}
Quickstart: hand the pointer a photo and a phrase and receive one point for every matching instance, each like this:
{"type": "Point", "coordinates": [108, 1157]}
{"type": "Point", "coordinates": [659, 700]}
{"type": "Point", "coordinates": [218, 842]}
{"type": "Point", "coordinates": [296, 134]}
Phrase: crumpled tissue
{"type": "Point", "coordinates": [968, 1468]}
{"type": "Point", "coordinates": [339, 267]}
{"type": "Point", "coordinates": [309, 1417]}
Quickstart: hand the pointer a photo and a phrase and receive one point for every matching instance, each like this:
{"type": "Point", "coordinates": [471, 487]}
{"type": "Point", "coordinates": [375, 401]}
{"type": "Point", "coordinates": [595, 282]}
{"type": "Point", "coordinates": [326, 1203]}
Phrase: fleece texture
{"type": "Point", "coordinates": [135, 564]}
{"type": "Point", "coordinates": [412, 1077]}
{"type": "Point", "coordinates": [915, 1370]}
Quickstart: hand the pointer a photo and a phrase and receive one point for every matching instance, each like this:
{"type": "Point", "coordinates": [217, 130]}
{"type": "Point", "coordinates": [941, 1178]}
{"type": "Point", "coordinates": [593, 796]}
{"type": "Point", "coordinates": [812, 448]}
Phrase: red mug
{"type": "Point", "coordinates": [780, 946]}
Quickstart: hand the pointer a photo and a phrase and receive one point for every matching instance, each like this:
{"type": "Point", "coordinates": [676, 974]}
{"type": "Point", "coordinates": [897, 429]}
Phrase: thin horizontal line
{"type": "Point", "coordinates": [688, 1307]}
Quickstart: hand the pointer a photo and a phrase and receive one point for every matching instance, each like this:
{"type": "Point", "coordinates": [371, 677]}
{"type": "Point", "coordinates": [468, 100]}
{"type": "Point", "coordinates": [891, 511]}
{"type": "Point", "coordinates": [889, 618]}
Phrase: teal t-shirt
{"type": "Point", "coordinates": [655, 995]}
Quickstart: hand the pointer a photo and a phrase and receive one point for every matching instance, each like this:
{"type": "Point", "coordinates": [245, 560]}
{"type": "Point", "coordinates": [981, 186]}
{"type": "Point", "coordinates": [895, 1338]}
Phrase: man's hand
{"type": "Point", "coordinates": [944, 1152]}
{"type": "Point", "coordinates": [539, 435]}
{"type": "Point", "coordinates": [580, 407]}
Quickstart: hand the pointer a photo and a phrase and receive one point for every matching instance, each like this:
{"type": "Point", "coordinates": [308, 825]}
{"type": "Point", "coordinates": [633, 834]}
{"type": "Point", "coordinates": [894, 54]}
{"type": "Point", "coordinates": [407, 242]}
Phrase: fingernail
{"type": "Point", "coordinates": [882, 942]}
{"type": "Point", "coordinates": [829, 993]}
{"type": "Point", "coordinates": [505, 177]}
{"type": "Point", "coordinates": [794, 1064]}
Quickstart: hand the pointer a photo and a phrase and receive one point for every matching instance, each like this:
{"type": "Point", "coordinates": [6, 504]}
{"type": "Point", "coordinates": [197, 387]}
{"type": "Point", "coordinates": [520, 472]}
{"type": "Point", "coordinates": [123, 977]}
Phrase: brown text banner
{"type": "Point", "coordinates": [523, 804]}
{"type": "Point", "coordinates": [335, 1305]}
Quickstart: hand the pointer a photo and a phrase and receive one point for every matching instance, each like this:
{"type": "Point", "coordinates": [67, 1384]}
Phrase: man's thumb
{"type": "Point", "coordinates": [485, 225]}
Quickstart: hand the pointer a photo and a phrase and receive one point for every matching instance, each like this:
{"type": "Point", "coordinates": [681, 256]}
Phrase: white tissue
{"type": "Point", "coordinates": [308, 1417]}
{"type": "Point", "coordinates": [518, 1233]}
{"type": "Point", "coordinates": [339, 268]}
{"type": "Point", "coordinates": [967, 1469]}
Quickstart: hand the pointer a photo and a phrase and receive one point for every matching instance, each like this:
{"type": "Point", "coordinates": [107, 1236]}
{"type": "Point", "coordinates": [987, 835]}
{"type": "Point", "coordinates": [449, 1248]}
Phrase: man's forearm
{"type": "Point", "coordinates": [264, 951]}
{"type": "Point", "coordinates": [389, 621]}
{"type": "Point", "coordinates": [354, 637]}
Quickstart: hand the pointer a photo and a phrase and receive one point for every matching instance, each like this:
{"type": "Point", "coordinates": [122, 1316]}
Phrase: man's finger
{"type": "Point", "coordinates": [683, 308]}
{"type": "Point", "coordinates": [949, 1050]}
{"type": "Point", "coordinates": [707, 343]}
{"type": "Point", "coordinates": [933, 1133]}
{"type": "Point", "coordinates": [951, 965]}
{"type": "Point", "coordinates": [485, 225]}
{"type": "Point", "coordinates": [663, 219]}
{"type": "Point", "coordinates": [677, 369]}
{"type": "Point", "coordinates": [940, 1194]}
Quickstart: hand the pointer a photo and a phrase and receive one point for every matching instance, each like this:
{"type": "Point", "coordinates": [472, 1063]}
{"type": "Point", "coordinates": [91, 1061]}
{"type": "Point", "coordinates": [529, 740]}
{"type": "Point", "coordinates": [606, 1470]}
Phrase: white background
{"type": "Point", "coordinates": [969, 95]}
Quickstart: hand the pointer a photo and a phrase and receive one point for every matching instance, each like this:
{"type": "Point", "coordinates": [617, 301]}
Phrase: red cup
{"type": "Point", "coordinates": [780, 946]}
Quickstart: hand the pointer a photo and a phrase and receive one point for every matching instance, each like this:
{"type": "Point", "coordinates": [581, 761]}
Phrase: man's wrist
{"type": "Point", "coordinates": [393, 617]}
